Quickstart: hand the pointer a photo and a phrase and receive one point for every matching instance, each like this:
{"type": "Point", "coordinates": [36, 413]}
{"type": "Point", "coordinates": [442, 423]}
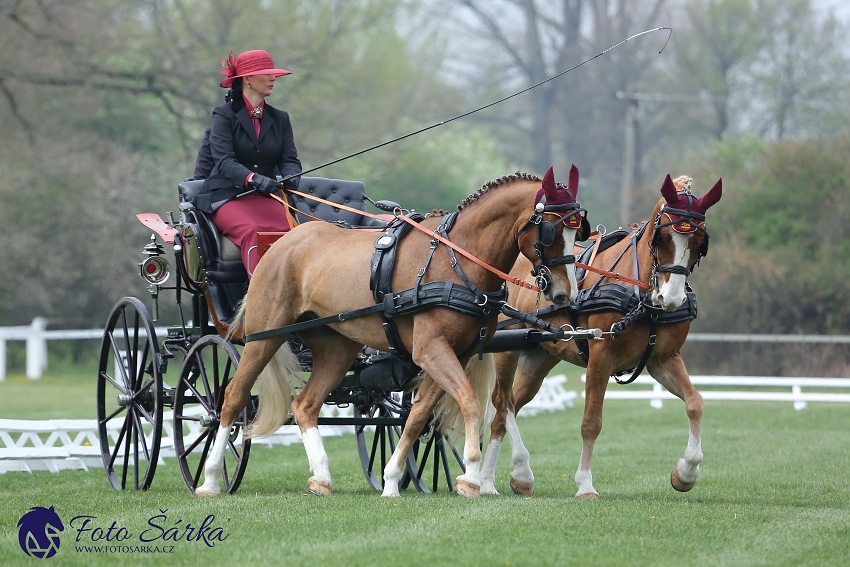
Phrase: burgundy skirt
{"type": "Point", "coordinates": [241, 219]}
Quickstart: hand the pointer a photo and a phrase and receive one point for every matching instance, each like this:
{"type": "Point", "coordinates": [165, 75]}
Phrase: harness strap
{"type": "Point", "coordinates": [504, 276]}
{"type": "Point", "coordinates": [653, 325]}
{"type": "Point", "coordinates": [315, 323]}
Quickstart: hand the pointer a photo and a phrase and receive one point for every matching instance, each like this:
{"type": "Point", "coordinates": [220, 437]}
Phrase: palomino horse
{"type": "Point", "coordinates": [663, 255]}
{"type": "Point", "coordinates": [319, 270]}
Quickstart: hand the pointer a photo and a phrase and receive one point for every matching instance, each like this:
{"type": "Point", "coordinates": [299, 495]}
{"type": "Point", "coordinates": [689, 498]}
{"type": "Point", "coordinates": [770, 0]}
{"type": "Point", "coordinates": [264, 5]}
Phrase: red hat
{"type": "Point", "coordinates": [254, 62]}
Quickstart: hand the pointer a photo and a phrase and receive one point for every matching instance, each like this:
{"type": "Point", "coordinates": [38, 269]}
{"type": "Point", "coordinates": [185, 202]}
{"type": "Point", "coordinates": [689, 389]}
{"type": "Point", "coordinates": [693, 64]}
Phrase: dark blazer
{"type": "Point", "coordinates": [237, 151]}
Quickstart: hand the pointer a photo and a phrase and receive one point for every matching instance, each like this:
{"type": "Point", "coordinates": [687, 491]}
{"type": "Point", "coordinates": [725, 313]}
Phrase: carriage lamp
{"type": "Point", "coordinates": [154, 269]}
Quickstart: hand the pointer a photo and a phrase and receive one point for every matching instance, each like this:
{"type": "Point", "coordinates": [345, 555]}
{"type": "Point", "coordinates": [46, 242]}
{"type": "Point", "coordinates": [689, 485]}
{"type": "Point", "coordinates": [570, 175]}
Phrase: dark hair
{"type": "Point", "coordinates": [235, 87]}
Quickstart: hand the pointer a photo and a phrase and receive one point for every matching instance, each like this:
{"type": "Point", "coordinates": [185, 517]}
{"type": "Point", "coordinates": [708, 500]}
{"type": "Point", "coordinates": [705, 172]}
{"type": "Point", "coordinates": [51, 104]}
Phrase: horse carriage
{"type": "Point", "coordinates": [208, 283]}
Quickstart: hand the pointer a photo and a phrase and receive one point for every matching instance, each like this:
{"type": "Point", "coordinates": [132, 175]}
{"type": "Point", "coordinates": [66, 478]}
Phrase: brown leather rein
{"type": "Point", "coordinates": [433, 234]}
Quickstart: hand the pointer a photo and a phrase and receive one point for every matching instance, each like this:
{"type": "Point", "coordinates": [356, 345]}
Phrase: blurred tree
{"type": "Point", "coordinates": [103, 103]}
{"type": "Point", "coordinates": [799, 83]}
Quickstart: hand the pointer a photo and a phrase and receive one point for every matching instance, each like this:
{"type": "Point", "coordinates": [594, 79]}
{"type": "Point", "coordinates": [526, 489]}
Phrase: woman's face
{"type": "Point", "coordinates": [261, 84]}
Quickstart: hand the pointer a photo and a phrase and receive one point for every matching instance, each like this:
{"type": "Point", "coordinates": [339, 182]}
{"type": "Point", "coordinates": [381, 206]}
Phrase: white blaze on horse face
{"type": "Point", "coordinates": [569, 245]}
{"type": "Point", "coordinates": [670, 295]}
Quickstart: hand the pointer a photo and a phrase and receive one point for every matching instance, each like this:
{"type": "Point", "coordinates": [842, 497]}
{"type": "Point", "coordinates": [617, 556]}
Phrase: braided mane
{"type": "Point", "coordinates": [518, 176]}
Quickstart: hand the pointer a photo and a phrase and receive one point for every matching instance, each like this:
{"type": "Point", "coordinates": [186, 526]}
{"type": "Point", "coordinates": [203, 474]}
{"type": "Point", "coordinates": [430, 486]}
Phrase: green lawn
{"type": "Point", "coordinates": [772, 492]}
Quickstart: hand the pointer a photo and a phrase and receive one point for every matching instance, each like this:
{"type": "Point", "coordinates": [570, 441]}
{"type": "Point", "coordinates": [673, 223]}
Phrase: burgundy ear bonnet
{"type": "Point", "coordinates": [552, 194]}
{"type": "Point", "coordinates": [678, 197]}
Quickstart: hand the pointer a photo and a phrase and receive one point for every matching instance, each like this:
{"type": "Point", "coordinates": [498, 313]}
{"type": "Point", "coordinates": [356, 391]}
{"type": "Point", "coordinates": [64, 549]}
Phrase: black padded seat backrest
{"type": "Point", "coordinates": [187, 190]}
{"type": "Point", "coordinates": [348, 193]}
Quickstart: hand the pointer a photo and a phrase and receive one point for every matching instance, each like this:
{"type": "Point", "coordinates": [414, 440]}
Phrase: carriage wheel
{"type": "Point", "coordinates": [376, 443]}
{"type": "Point", "coordinates": [198, 399]}
{"type": "Point", "coordinates": [437, 462]}
{"type": "Point", "coordinates": [129, 396]}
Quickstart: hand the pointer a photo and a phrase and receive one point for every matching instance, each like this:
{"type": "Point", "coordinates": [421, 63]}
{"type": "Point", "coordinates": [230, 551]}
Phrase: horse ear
{"type": "Point", "coordinates": [712, 196]}
{"type": "Point", "coordinates": [572, 185]}
{"type": "Point", "coordinates": [668, 191]}
{"type": "Point", "coordinates": [549, 188]}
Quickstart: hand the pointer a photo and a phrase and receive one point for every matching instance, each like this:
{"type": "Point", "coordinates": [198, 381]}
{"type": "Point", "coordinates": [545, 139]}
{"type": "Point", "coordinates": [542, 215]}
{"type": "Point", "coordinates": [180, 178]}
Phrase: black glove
{"type": "Point", "coordinates": [264, 185]}
{"type": "Point", "coordinates": [292, 183]}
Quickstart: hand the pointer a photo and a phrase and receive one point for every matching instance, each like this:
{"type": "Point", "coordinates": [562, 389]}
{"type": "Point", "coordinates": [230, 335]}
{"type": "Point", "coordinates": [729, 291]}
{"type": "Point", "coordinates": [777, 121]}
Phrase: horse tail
{"type": "Point", "coordinates": [482, 377]}
{"type": "Point", "coordinates": [238, 320]}
{"type": "Point", "coordinates": [274, 388]}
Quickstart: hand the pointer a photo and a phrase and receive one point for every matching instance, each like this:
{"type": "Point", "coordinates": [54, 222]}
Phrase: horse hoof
{"type": "Point", "coordinates": [467, 489]}
{"type": "Point", "coordinates": [206, 493]}
{"type": "Point", "coordinates": [588, 496]}
{"type": "Point", "coordinates": [488, 488]}
{"type": "Point", "coordinates": [319, 487]}
{"type": "Point", "coordinates": [677, 482]}
{"type": "Point", "coordinates": [522, 488]}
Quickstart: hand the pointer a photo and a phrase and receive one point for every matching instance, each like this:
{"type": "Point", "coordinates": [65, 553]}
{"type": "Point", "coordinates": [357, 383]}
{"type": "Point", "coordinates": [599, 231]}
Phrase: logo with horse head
{"type": "Point", "coordinates": [38, 532]}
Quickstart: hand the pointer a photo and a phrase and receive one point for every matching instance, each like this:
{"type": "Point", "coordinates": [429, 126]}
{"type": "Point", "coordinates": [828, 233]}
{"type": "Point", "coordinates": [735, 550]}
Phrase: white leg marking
{"type": "Point", "coordinates": [392, 474]}
{"type": "Point", "coordinates": [688, 468]}
{"type": "Point", "coordinates": [215, 462]}
{"type": "Point", "coordinates": [519, 454]}
{"type": "Point", "coordinates": [473, 472]}
{"type": "Point", "coordinates": [316, 455]}
{"type": "Point", "coordinates": [584, 478]}
{"type": "Point", "coordinates": [488, 470]}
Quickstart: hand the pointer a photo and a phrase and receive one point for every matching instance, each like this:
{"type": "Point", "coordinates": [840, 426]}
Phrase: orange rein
{"type": "Point", "coordinates": [433, 234]}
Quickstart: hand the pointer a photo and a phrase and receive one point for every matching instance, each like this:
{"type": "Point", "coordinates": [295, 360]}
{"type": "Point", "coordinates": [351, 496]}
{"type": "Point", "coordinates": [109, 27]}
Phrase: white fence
{"type": "Point", "coordinates": [72, 444]}
{"type": "Point", "coordinates": [764, 389]}
{"type": "Point", "coordinates": [36, 336]}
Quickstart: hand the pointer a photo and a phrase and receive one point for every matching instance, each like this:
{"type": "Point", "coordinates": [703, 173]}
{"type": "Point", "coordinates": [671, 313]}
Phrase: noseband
{"type": "Point", "coordinates": [687, 222]}
{"type": "Point", "coordinates": [546, 232]}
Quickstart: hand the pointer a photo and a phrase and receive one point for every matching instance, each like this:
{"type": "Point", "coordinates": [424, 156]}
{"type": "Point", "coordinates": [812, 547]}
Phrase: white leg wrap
{"type": "Point", "coordinates": [688, 468]}
{"type": "Point", "coordinates": [214, 465]}
{"type": "Point", "coordinates": [392, 474]}
{"type": "Point", "coordinates": [488, 471]}
{"type": "Point", "coordinates": [519, 454]}
{"type": "Point", "coordinates": [584, 482]}
{"type": "Point", "coordinates": [473, 472]}
{"type": "Point", "coordinates": [316, 455]}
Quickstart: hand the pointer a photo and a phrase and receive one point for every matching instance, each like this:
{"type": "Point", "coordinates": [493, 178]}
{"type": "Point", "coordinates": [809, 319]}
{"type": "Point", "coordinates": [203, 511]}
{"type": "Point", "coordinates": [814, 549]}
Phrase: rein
{"type": "Point", "coordinates": [433, 234]}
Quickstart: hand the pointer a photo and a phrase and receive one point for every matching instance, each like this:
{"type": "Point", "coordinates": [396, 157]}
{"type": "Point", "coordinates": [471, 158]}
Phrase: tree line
{"type": "Point", "coordinates": [103, 104]}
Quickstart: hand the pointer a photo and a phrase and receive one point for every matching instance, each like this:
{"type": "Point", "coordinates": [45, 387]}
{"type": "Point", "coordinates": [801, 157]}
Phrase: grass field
{"type": "Point", "coordinates": [773, 491]}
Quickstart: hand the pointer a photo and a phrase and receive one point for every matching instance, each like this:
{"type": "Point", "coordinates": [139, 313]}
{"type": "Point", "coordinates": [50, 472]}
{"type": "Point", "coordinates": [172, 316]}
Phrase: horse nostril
{"type": "Point", "coordinates": [561, 299]}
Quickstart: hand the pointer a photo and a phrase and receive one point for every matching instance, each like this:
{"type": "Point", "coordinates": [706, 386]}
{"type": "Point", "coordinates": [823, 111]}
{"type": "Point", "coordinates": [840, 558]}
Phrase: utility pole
{"type": "Point", "coordinates": [630, 142]}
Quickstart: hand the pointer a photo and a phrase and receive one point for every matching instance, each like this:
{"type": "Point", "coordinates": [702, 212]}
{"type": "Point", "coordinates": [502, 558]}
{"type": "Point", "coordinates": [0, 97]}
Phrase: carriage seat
{"type": "Point", "coordinates": [349, 193]}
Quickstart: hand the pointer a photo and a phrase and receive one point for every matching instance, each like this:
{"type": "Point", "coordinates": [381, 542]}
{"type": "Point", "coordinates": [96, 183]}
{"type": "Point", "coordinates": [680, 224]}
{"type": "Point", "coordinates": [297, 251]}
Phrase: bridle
{"type": "Point", "coordinates": [546, 232]}
{"type": "Point", "coordinates": [683, 221]}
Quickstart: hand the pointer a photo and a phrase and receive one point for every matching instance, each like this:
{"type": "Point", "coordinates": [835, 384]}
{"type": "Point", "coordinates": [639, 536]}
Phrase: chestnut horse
{"type": "Point", "coordinates": [666, 252]}
{"type": "Point", "coordinates": [319, 270]}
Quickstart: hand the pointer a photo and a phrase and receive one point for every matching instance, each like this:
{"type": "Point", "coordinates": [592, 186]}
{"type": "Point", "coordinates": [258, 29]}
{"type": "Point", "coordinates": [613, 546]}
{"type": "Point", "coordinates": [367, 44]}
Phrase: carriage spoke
{"type": "Point", "coordinates": [113, 414]}
{"type": "Point", "coordinates": [109, 379]}
{"type": "Point", "coordinates": [201, 399]}
{"type": "Point", "coordinates": [141, 432]}
{"type": "Point", "coordinates": [148, 417]}
{"type": "Point", "coordinates": [116, 349]}
{"type": "Point", "coordinates": [233, 449]}
{"type": "Point", "coordinates": [118, 443]}
{"type": "Point", "coordinates": [202, 371]}
{"type": "Point", "coordinates": [127, 450]}
{"type": "Point", "coordinates": [202, 460]}
{"type": "Point", "coordinates": [197, 441]}
{"type": "Point", "coordinates": [446, 469]}
{"type": "Point", "coordinates": [136, 456]}
{"type": "Point", "coordinates": [224, 473]}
